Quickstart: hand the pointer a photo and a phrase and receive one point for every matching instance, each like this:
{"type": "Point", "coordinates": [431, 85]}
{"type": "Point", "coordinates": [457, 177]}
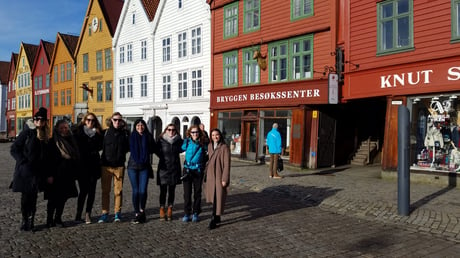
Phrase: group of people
{"type": "Point", "coordinates": [84, 154]}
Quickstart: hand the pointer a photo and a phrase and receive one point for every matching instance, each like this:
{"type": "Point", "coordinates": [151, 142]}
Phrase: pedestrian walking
{"type": "Point", "coordinates": [61, 179]}
{"type": "Point", "coordinates": [195, 150]}
{"type": "Point", "coordinates": [274, 149]}
{"type": "Point", "coordinates": [141, 146]}
{"type": "Point", "coordinates": [31, 150]}
{"type": "Point", "coordinates": [217, 177]}
{"type": "Point", "coordinates": [169, 146]}
{"type": "Point", "coordinates": [115, 146]}
{"type": "Point", "coordinates": [89, 139]}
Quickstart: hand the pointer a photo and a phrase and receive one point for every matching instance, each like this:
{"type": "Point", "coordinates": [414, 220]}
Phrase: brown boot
{"type": "Point", "coordinates": [162, 213]}
{"type": "Point", "coordinates": [170, 213]}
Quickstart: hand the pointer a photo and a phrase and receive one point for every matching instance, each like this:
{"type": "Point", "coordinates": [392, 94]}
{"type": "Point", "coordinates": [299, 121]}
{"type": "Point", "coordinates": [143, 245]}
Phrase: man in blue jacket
{"type": "Point", "coordinates": [274, 149]}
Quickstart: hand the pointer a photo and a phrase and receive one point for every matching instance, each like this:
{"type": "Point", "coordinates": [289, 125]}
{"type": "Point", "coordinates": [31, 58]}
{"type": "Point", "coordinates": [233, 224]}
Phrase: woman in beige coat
{"type": "Point", "coordinates": [217, 175]}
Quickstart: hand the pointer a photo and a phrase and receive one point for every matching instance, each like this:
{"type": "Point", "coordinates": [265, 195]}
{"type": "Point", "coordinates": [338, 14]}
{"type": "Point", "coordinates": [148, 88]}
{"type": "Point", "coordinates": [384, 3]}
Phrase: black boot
{"type": "Point", "coordinates": [78, 217]}
{"type": "Point", "coordinates": [31, 221]}
{"type": "Point", "coordinates": [217, 219]}
{"type": "Point", "coordinates": [25, 224]}
{"type": "Point", "coordinates": [212, 223]}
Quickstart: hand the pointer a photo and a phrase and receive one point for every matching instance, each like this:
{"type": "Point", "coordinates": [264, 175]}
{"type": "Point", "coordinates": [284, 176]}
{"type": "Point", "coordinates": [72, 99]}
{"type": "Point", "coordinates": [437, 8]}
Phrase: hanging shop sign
{"type": "Point", "coordinates": [424, 77]}
{"type": "Point", "coordinates": [271, 95]}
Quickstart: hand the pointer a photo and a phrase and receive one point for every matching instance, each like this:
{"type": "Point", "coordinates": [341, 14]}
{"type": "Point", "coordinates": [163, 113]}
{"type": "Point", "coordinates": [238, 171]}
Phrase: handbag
{"type": "Point", "coordinates": [280, 164]}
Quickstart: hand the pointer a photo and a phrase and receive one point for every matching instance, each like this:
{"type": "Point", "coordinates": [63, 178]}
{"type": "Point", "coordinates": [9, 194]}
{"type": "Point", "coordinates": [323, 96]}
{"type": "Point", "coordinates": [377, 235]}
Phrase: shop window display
{"type": "Point", "coordinates": [435, 134]}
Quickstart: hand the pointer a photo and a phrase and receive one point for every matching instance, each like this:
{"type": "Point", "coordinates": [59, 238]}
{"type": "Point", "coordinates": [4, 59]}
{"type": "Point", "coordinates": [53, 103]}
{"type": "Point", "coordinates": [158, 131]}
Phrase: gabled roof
{"type": "Point", "coordinates": [4, 66]}
{"type": "Point", "coordinates": [31, 52]}
{"type": "Point", "coordinates": [49, 48]}
{"type": "Point", "coordinates": [13, 63]}
{"type": "Point", "coordinates": [150, 7]}
{"type": "Point", "coordinates": [70, 41]}
{"type": "Point", "coordinates": [111, 10]}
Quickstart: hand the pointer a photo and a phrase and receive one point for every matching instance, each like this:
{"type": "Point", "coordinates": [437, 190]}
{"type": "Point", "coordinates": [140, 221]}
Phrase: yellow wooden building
{"type": "Point", "coordinates": [23, 83]}
{"type": "Point", "coordinates": [93, 55]}
{"type": "Point", "coordinates": [62, 76]}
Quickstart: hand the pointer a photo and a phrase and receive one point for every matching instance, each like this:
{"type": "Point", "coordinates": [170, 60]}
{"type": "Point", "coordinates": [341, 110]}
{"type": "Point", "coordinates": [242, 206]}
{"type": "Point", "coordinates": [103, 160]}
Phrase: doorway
{"type": "Point", "coordinates": [249, 144]}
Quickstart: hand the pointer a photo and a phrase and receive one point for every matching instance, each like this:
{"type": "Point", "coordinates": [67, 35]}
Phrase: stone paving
{"type": "Point", "coordinates": [340, 212]}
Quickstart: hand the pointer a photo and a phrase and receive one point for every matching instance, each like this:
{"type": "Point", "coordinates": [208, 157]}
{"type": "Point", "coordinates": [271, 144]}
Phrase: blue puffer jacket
{"type": "Point", "coordinates": [274, 141]}
{"type": "Point", "coordinates": [194, 153]}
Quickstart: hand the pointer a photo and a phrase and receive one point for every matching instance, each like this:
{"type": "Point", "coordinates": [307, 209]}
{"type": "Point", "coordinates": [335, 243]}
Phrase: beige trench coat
{"type": "Point", "coordinates": [217, 170]}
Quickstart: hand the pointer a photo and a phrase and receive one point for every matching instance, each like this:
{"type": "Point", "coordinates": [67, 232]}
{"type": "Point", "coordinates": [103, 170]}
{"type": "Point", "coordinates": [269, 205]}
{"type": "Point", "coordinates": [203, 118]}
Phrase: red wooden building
{"type": "Point", "coordinates": [270, 63]}
{"type": "Point", "coordinates": [406, 52]}
{"type": "Point", "coordinates": [11, 99]}
{"type": "Point", "coordinates": [41, 77]}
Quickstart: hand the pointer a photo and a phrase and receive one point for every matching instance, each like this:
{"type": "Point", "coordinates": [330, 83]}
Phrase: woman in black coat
{"type": "Point", "coordinates": [61, 180]}
{"type": "Point", "coordinates": [31, 151]}
{"type": "Point", "coordinates": [169, 167]}
{"type": "Point", "coordinates": [89, 139]}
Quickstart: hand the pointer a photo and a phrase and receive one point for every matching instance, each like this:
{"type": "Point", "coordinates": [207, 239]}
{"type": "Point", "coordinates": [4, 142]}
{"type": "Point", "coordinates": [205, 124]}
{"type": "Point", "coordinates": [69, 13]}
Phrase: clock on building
{"type": "Point", "coordinates": [95, 24]}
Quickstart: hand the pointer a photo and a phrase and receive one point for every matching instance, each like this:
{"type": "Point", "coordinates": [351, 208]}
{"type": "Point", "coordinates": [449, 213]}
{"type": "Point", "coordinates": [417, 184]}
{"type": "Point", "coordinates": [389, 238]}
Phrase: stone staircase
{"type": "Point", "coordinates": [366, 153]}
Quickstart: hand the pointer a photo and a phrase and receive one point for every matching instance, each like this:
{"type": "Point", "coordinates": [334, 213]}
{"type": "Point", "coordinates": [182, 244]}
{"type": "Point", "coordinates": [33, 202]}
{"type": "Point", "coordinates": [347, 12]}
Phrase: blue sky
{"type": "Point", "coordinates": [29, 21]}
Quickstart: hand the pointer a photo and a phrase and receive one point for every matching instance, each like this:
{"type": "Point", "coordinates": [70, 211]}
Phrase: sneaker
{"type": "Point", "coordinates": [88, 218]}
{"type": "Point", "coordinates": [136, 219]}
{"type": "Point", "coordinates": [103, 218]}
{"type": "Point", "coordinates": [117, 217]}
{"type": "Point", "coordinates": [186, 218]}
{"type": "Point", "coordinates": [142, 218]}
{"type": "Point", "coordinates": [169, 213]}
{"type": "Point", "coordinates": [162, 213]}
{"type": "Point", "coordinates": [195, 217]}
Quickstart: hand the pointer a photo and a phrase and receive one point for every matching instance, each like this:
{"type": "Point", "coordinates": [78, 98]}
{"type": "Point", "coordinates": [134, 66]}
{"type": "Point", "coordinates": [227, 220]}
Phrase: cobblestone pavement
{"type": "Point", "coordinates": [341, 212]}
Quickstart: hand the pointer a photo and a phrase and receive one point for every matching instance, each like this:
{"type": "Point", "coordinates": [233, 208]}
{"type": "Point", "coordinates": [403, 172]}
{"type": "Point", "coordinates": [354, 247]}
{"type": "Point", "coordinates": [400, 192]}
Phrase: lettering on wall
{"type": "Point", "coordinates": [274, 95]}
{"type": "Point", "coordinates": [416, 78]}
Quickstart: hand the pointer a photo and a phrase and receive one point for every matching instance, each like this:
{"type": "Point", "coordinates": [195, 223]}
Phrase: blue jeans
{"type": "Point", "coordinates": [139, 181]}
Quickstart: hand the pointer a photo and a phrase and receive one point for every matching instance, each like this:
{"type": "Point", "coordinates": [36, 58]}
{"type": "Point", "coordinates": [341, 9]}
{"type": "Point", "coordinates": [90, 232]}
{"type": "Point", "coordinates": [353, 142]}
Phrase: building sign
{"type": "Point", "coordinates": [40, 92]}
{"type": "Point", "coordinates": [333, 88]}
{"type": "Point", "coordinates": [426, 77]}
{"type": "Point", "coordinates": [265, 96]}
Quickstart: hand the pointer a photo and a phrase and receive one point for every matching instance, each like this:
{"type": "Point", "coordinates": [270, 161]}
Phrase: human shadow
{"type": "Point", "coordinates": [273, 200]}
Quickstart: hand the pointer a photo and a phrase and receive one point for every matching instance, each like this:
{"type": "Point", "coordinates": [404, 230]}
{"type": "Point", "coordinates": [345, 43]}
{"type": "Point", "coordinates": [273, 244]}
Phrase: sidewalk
{"type": "Point", "coordinates": [360, 192]}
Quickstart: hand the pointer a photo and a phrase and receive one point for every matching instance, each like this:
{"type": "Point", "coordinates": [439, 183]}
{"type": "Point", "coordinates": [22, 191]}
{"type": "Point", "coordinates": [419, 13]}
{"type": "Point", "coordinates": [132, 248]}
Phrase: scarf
{"type": "Point", "coordinates": [139, 148]}
{"type": "Point", "coordinates": [169, 139]}
{"type": "Point", "coordinates": [67, 147]}
{"type": "Point", "coordinates": [89, 131]}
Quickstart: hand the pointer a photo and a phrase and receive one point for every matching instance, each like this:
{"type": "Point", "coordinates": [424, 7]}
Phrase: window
{"type": "Point", "coordinates": [301, 9]}
{"type": "Point", "coordinates": [69, 71]}
{"type": "Point", "coordinates": [143, 49]}
{"type": "Point", "coordinates": [99, 60]}
{"type": "Point", "coordinates": [230, 69]}
{"type": "Point", "coordinates": [62, 72]}
{"type": "Point", "coordinates": [55, 98]}
{"type": "Point", "coordinates": [36, 101]}
{"type": "Point", "coordinates": [108, 59]}
{"type": "Point", "coordinates": [196, 83]}
{"type": "Point", "coordinates": [182, 44]}
{"type": "Point", "coordinates": [182, 84]}
{"type": "Point", "coordinates": [47, 100]}
{"type": "Point", "coordinates": [133, 18]}
{"type": "Point", "coordinates": [278, 57]}
{"type": "Point", "coordinates": [122, 55]}
{"type": "Point", "coordinates": [100, 92]}
{"type": "Point", "coordinates": [167, 87]}
{"type": "Point", "coordinates": [69, 97]}
{"type": "Point", "coordinates": [179, 4]}
{"type": "Point", "coordinates": [85, 93]}
{"type": "Point", "coordinates": [394, 21]}
{"type": "Point", "coordinates": [108, 91]}
{"type": "Point", "coordinates": [36, 83]}
{"type": "Point", "coordinates": [144, 85]}
{"type": "Point", "coordinates": [455, 19]}
{"type": "Point", "coordinates": [166, 50]}
{"type": "Point", "coordinates": [251, 69]}
{"type": "Point", "coordinates": [56, 74]}
{"type": "Point", "coordinates": [129, 86]}
{"type": "Point", "coordinates": [62, 97]}
{"type": "Point", "coordinates": [301, 52]}
{"type": "Point", "coordinates": [196, 41]}
{"type": "Point", "coordinates": [251, 15]}
{"type": "Point", "coordinates": [122, 88]}
{"type": "Point", "coordinates": [40, 82]}
{"type": "Point", "coordinates": [129, 55]}
{"type": "Point", "coordinates": [231, 20]}
{"type": "Point", "coordinates": [48, 81]}
{"type": "Point", "coordinates": [85, 63]}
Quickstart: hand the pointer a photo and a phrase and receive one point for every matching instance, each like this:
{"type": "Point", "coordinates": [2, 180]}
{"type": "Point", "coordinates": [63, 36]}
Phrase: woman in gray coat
{"type": "Point", "coordinates": [217, 175]}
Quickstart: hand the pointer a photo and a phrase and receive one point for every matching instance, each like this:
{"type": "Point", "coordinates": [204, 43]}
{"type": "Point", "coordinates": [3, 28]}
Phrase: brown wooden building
{"type": "Point", "coordinates": [270, 63]}
{"type": "Point", "coordinates": [406, 52]}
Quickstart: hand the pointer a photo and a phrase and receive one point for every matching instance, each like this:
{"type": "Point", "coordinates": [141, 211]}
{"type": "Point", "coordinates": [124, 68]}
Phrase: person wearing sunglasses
{"type": "Point", "coordinates": [169, 169]}
{"type": "Point", "coordinates": [32, 153]}
{"type": "Point", "coordinates": [89, 139]}
{"type": "Point", "coordinates": [195, 149]}
{"type": "Point", "coordinates": [115, 146]}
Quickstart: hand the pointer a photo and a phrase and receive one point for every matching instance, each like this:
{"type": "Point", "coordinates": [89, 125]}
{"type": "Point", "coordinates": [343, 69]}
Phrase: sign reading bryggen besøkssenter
{"type": "Point", "coordinates": [418, 78]}
{"type": "Point", "coordinates": [270, 95]}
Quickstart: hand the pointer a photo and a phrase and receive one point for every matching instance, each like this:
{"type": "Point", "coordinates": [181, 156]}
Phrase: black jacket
{"type": "Point", "coordinates": [114, 147]}
{"type": "Point", "coordinates": [89, 147]}
{"type": "Point", "coordinates": [169, 166]}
